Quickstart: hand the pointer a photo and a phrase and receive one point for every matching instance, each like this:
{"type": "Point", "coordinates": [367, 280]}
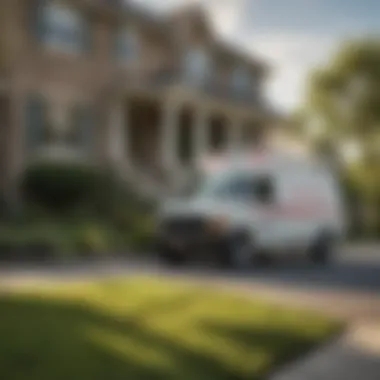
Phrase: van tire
{"type": "Point", "coordinates": [321, 252]}
{"type": "Point", "coordinates": [171, 256]}
{"type": "Point", "coordinates": [236, 252]}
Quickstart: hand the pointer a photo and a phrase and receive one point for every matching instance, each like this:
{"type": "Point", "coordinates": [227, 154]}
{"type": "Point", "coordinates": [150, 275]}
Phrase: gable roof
{"type": "Point", "coordinates": [197, 14]}
{"type": "Point", "coordinates": [162, 25]}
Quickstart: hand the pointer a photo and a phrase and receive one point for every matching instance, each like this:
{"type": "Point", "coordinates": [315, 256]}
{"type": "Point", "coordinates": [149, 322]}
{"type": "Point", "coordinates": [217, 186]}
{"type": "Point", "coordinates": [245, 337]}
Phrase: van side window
{"type": "Point", "coordinates": [263, 190]}
{"type": "Point", "coordinates": [243, 187]}
{"type": "Point", "coordinates": [239, 187]}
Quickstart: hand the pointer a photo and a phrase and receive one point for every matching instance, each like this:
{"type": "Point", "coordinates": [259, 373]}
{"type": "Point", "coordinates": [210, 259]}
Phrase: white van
{"type": "Point", "coordinates": [254, 206]}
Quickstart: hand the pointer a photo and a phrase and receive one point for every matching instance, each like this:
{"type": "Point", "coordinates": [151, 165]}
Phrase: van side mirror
{"type": "Point", "coordinates": [264, 191]}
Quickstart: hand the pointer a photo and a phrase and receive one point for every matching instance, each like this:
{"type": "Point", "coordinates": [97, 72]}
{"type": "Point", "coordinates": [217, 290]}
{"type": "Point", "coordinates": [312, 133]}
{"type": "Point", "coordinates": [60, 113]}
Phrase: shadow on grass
{"type": "Point", "coordinates": [45, 339]}
{"type": "Point", "coordinates": [281, 344]}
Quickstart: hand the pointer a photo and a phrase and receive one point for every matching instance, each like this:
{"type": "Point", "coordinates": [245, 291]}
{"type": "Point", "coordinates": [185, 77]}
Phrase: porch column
{"type": "Point", "coordinates": [169, 144]}
{"type": "Point", "coordinates": [201, 132]}
{"type": "Point", "coordinates": [117, 137]}
{"type": "Point", "coordinates": [235, 136]}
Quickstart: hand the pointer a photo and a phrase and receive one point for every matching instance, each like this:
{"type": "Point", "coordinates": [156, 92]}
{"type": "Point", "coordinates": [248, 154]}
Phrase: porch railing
{"type": "Point", "coordinates": [170, 77]}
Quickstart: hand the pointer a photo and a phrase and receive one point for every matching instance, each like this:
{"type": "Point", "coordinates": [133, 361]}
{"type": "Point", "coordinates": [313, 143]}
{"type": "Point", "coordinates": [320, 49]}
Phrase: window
{"type": "Point", "coordinates": [241, 80]}
{"type": "Point", "coordinates": [63, 28]}
{"type": "Point", "coordinates": [80, 132]}
{"type": "Point", "coordinates": [36, 120]}
{"type": "Point", "coordinates": [127, 45]}
{"type": "Point", "coordinates": [196, 66]}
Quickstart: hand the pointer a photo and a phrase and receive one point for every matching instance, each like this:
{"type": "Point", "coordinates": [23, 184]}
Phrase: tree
{"type": "Point", "coordinates": [346, 95]}
{"type": "Point", "coordinates": [344, 98]}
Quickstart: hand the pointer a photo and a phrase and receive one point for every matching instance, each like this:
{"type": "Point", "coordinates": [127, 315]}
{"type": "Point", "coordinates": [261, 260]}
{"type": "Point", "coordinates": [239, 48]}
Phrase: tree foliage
{"type": "Point", "coordinates": [345, 96]}
{"type": "Point", "coordinates": [346, 93]}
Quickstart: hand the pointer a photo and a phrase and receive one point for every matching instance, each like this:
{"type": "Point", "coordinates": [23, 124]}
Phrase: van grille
{"type": "Point", "coordinates": [185, 226]}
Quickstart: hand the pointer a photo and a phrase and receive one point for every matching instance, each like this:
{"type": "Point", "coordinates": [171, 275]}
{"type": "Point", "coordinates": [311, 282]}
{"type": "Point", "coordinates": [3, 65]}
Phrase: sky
{"type": "Point", "coordinates": [294, 36]}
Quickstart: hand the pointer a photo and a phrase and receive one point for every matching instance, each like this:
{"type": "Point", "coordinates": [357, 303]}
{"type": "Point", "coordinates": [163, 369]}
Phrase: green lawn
{"type": "Point", "coordinates": [148, 329]}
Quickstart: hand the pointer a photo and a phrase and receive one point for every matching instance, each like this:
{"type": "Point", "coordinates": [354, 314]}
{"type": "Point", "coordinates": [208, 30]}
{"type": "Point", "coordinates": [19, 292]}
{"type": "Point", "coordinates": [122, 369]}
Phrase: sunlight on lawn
{"type": "Point", "coordinates": [148, 329]}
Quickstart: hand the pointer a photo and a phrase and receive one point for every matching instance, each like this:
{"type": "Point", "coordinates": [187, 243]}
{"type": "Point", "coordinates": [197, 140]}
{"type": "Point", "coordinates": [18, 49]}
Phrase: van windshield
{"type": "Point", "coordinates": [238, 186]}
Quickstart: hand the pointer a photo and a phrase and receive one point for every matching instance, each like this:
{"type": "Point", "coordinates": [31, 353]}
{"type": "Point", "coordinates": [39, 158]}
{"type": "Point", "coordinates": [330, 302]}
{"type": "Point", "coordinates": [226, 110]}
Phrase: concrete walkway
{"type": "Point", "coordinates": [356, 356]}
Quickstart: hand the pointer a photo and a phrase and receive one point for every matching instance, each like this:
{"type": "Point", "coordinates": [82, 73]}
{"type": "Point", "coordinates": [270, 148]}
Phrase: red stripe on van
{"type": "Point", "coordinates": [300, 211]}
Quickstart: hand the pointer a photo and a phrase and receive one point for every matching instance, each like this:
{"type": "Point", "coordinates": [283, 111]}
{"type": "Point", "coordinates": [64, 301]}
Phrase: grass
{"type": "Point", "coordinates": [148, 329]}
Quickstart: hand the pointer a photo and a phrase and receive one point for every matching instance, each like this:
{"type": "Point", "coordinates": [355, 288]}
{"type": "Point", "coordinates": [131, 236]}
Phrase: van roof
{"type": "Point", "coordinates": [255, 160]}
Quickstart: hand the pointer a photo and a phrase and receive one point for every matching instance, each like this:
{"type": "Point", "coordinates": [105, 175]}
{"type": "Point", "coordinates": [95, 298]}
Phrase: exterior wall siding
{"type": "Point", "coordinates": [88, 78]}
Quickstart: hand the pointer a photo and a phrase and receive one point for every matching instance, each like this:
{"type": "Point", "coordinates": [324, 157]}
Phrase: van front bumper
{"type": "Point", "coordinates": [188, 235]}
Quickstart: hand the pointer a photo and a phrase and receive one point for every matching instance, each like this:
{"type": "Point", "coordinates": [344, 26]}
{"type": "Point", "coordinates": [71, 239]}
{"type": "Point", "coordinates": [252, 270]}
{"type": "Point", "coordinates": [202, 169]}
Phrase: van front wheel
{"type": "Point", "coordinates": [237, 252]}
{"type": "Point", "coordinates": [170, 256]}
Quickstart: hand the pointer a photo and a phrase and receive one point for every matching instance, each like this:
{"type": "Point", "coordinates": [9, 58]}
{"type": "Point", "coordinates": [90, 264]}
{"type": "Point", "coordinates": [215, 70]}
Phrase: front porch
{"type": "Point", "coordinates": [157, 142]}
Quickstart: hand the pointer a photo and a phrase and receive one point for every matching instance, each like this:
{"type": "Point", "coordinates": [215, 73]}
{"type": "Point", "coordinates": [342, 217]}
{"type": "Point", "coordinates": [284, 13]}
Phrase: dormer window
{"type": "Point", "coordinates": [196, 66]}
{"type": "Point", "coordinates": [62, 28]}
{"type": "Point", "coordinates": [127, 45]}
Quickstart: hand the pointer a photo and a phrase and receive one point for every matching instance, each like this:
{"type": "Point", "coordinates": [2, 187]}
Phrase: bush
{"type": "Point", "coordinates": [117, 203]}
{"type": "Point", "coordinates": [92, 211]}
{"type": "Point", "coordinates": [59, 187]}
{"type": "Point", "coordinates": [140, 236]}
{"type": "Point", "coordinates": [90, 239]}
{"type": "Point", "coordinates": [52, 240]}
{"type": "Point", "coordinates": [35, 242]}
{"type": "Point", "coordinates": [130, 215]}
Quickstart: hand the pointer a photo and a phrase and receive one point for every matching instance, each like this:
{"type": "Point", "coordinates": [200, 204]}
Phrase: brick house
{"type": "Point", "coordinates": [106, 82]}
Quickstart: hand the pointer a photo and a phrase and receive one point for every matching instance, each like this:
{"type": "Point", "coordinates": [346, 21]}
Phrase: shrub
{"type": "Point", "coordinates": [59, 187]}
{"type": "Point", "coordinates": [56, 239]}
{"type": "Point", "coordinates": [92, 239]}
{"type": "Point", "coordinates": [92, 211]}
{"type": "Point", "coordinates": [127, 212]}
{"type": "Point", "coordinates": [34, 242]}
{"type": "Point", "coordinates": [116, 202]}
{"type": "Point", "coordinates": [140, 235]}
